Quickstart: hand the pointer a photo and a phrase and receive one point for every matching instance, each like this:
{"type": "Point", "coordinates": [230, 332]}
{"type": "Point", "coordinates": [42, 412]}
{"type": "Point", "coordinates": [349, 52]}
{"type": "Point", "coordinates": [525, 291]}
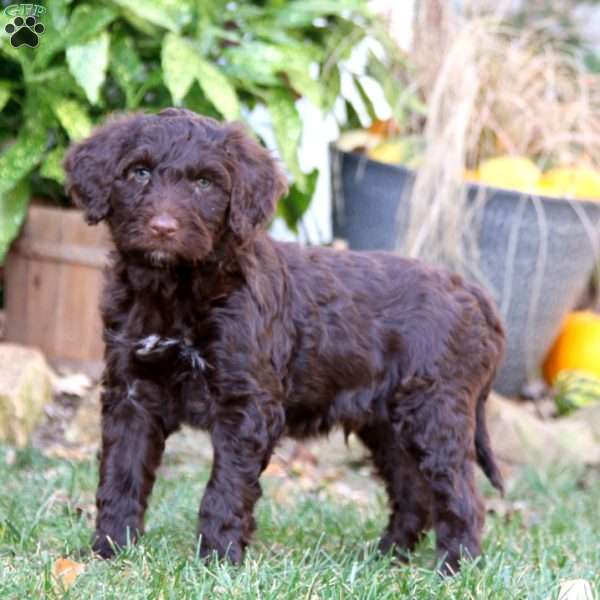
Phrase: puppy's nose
{"type": "Point", "coordinates": [163, 225]}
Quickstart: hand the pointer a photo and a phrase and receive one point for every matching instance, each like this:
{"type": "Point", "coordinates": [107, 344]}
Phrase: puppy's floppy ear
{"type": "Point", "coordinates": [90, 167]}
{"type": "Point", "coordinates": [258, 182]}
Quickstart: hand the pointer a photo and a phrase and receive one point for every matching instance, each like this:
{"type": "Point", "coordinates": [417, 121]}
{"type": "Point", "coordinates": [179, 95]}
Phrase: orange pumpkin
{"type": "Point", "coordinates": [386, 128]}
{"type": "Point", "coordinates": [577, 348]}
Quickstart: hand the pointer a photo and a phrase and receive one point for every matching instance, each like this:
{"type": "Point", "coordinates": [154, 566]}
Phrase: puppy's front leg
{"type": "Point", "coordinates": [243, 439]}
{"type": "Point", "coordinates": [132, 445]}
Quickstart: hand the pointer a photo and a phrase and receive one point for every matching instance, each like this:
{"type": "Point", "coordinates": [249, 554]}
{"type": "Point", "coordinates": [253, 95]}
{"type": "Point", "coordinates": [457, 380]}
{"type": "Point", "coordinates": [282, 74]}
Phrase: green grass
{"type": "Point", "coordinates": [311, 549]}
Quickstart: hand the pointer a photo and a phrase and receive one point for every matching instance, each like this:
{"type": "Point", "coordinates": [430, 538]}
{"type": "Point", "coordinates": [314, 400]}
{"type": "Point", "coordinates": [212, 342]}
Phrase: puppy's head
{"type": "Point", "coordinates": [170, 185]}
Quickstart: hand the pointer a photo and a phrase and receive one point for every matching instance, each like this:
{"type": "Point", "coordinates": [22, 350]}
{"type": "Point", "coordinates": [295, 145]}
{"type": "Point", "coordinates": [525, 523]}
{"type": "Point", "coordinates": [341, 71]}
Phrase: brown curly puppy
{"type": "Point", "coordinates": [210, 322]}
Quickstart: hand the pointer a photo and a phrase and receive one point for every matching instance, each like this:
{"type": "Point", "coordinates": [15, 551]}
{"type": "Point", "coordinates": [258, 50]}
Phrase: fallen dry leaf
{"type": "Point", "coordinates": [308, 483]}
{"type": "Point", "coordinates": [330, 474]}
{"type": "Point", "coordinates": [286, 493]}
{"type": "Point", "coordinates": [75, 454]}
{"type": "Point", "coordinates": [300, 469]}
{"type": "Point", "coordinates": [505, 508]}
{"type": "Point", "coordinates": [86, 510]}
{"type": "Point", "coordinates": [73, 384]}
{"type": "Point", "coordinates": [67, 571]}
{"type": "Point", "coordinates": [303, 454]}
{"type": "Point", "coordinates": [341, 490]}
{"type": "Point", "coordinates": [275, 470]}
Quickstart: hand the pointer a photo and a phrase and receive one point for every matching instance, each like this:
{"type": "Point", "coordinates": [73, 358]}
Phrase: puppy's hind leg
{"type": "Point", "coordinates": [409, 495]}
{"type": "Point", "coordinates": [440, 435]}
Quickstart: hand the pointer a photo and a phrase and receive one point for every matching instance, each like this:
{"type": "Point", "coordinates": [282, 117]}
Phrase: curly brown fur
{"type": "Point", "coordinates": [210, 322]}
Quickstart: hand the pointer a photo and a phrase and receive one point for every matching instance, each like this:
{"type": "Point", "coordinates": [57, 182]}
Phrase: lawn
{"type": "Point", "coordinates": [307, 547]}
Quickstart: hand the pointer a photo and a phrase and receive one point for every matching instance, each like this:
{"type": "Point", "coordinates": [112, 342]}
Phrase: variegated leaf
{"type": "Point", "coordinates": [88, 63]}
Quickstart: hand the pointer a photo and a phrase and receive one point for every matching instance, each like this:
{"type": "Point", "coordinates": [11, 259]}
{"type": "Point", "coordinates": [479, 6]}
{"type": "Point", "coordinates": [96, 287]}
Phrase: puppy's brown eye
{"type": "Point", "coordinates": [203, 183]}
{"type": "Point", "coordinates": [141, 173]}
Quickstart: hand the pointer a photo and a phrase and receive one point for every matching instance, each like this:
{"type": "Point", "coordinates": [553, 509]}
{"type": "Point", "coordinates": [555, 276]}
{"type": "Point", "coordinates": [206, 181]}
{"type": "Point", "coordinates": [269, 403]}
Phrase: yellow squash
{"type": "Point", "coordinates": [571, 182]}
{"type": "Point", "coordinates": [392, 152]}
{"type": "Point", "coordinates": [509, 172]}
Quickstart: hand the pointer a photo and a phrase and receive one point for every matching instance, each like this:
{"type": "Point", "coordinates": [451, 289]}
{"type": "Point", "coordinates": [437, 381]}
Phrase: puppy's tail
{"type": "Point", "coordinates": [483, 448]}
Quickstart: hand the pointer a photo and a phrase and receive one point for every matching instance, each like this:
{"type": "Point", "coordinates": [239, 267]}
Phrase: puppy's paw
{"type": "Point", "coordinates": [389, 546]}
{"type": "Point", "coordinates": [234, 553]}
{"type": "Point", "coordinates": [104, 547]}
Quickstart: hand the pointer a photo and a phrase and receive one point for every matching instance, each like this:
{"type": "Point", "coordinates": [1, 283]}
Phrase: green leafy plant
{"type": "Point", "coordinates": [216, 57]}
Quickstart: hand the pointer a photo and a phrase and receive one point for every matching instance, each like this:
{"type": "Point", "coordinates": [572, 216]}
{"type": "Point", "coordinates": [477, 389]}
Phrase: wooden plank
{"type": "Point", "coordinates": [93, 345]}
{"type": "Point", "coordinates": [54, 275]}
{"type": "Point", "coordinates": [15, 287]}
{"type": "Point", "coordinates": [63, 253]}
{"type": "Point", "coordinates": [43, 223]}
{"type": "Point", "coordinates": [78, 295]}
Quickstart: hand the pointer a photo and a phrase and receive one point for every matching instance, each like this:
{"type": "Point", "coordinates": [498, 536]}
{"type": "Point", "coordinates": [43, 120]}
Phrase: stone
{"type": "Point", "coordinates": [25, 389]}
{"type": "Point", "coordinates": [590, 417]}
{"type": "Point", "coordinates": [521, 438]}
{"type": "Point", "coordinates": [84, 430]}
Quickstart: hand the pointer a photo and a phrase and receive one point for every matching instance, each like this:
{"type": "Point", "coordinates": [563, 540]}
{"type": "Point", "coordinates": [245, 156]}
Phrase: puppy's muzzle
{"type": "Point", "coordinates": [164, 226]}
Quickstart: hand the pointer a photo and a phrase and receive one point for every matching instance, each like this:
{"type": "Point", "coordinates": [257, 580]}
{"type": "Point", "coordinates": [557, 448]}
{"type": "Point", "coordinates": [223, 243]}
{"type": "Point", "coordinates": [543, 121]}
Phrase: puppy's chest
{"type": "Point", "coordinates": [178, 352]}
{"type": "Point", "coordinates": [167, 340]}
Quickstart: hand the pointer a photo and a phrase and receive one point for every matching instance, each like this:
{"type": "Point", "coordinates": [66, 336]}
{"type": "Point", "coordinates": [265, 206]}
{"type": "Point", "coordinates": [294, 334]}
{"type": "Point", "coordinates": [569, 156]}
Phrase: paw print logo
{"type": "Point", "coordinates": [24, 32]}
